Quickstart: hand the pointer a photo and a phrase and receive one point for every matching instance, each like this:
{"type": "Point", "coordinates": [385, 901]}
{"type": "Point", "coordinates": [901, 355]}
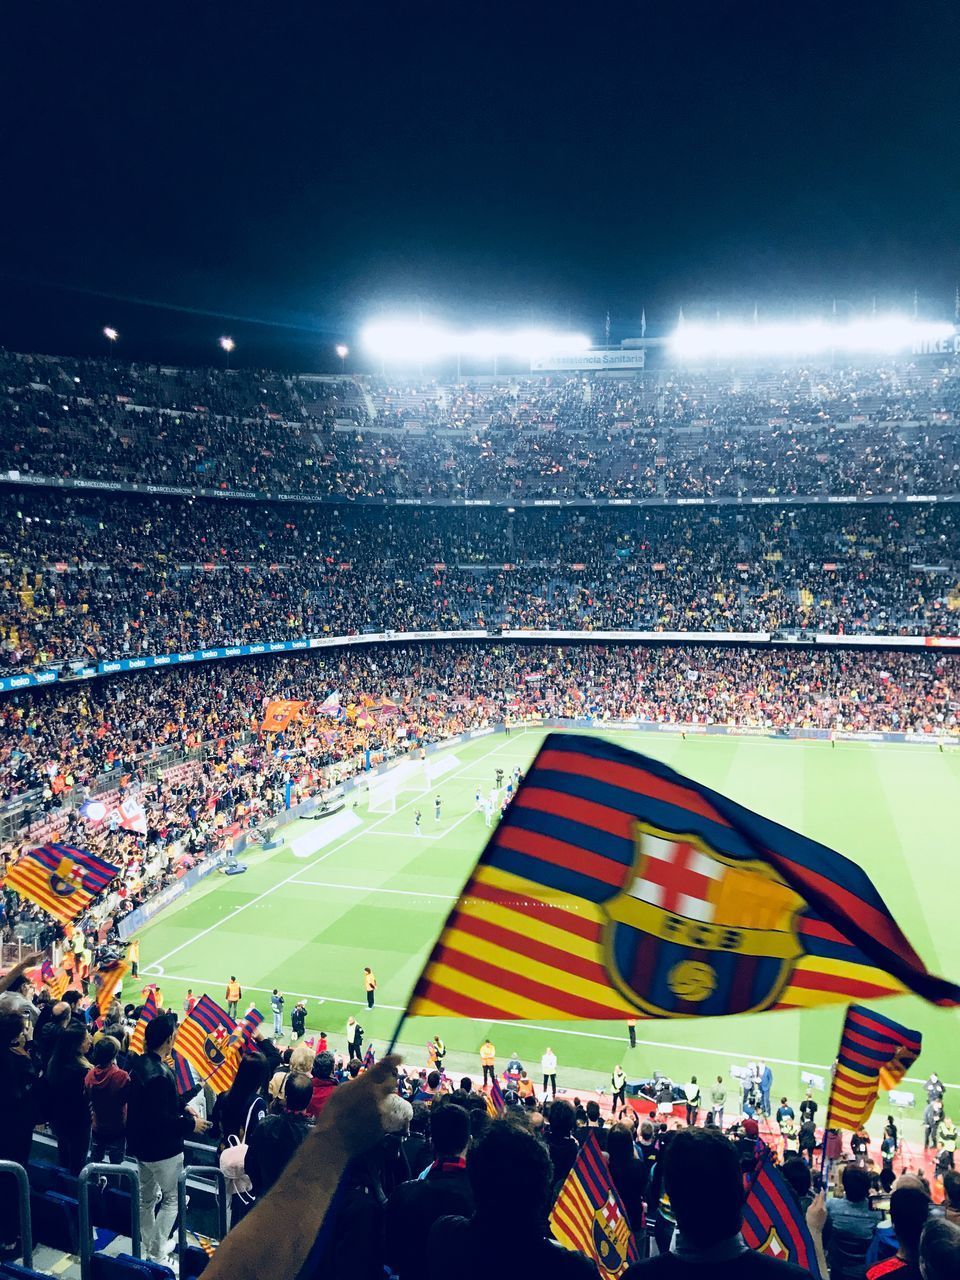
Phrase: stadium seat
{"type": "Point", "coordinates": [123, 1266]}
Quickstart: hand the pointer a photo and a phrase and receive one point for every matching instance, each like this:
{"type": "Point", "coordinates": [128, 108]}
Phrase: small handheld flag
{"type": "Point", "coordinates": [369, 1059]}
{"type": "Point", "coordinates": [147, 1014]}
{"type": "Point", "coordinates": [106, 980]}
{"type": "Point", "coordinates": [182, 1073]}
{"type": "Point", "coordinates": [773, 1222]}
{"type": "Point", "coordinates": [589, 1216]}
{"type": "Point", "coordinates": [55, 980]}
{"type": "Point", "coordinates": [208, 1039]}
{"type": "Point", "coordinates": [496, 1097]}
{"type": "Point", "coordinates": [60, 879]}
{"type": "Point", "coordinates": [615, 887]}
{"type": "Point", "coordinates": [875, 1052]}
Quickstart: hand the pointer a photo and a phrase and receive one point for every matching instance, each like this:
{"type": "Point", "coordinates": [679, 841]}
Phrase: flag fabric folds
{"type": "Point", "coordinates": [55, 980]}
{"type": "Point", "coordinates": [147, 1014]}
{"type": "Point", "coordinates": [369, 1059]}
{"type": "Point", "coordinates": [589, 1216]}
{"type": "Point", "coordinates": [279, 713]}
{"type": "Point", "coordinates": [875, 1053]}
{"type": "Point", "coordinates": [182, 1074]}
{"type": "Point", "coordinates": [246, 1029]}
{"type": "Point", "coordinates": [60, 879]}
{"type": "Point", "coordinates": [496, 1103]}
{"type": "Point", "coordinates": [774, 1223]}
{"type": "Point", "coordinates": [208, 1038]}
{"type": "Point", "coordinates": [615, 887]}
{"type": "Point", "coordinates": [106, 981]}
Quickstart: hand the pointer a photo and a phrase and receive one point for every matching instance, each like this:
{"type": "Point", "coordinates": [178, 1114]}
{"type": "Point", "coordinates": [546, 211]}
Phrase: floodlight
{"type": "Point", "coordinates": [877, 334]}
{"type": "Point", "coordinates": [110, 334]}
{"type": "Point", "coordinates": [420, 341]}
{"type": "Point", "coordinates": [342, 350]}
{"type": "Point", "coordinates": [227, 344]}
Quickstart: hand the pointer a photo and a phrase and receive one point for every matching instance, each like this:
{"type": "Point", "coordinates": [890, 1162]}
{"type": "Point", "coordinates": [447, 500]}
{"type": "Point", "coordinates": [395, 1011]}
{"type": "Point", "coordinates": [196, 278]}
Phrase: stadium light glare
{"type": "Point", "coordinates": [110, 334]}
{"type": "Point", "coordinates": [342, 350]}
{"type": "Point", "coordinates": [227, 344]}
{"type": "Point", "coordinates": [420, 342]}
{"type": "Point", "coordinates": [874, 334]}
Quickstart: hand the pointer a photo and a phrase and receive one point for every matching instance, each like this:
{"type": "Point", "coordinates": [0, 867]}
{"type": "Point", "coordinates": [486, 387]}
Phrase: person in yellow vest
{"type": "Point", "coordinates": [133, 957]}
{"type": "Point", "coordinates": [234, 996]}
{"type": "Point", "coordinates": [488, 1056]}
{"type": "Point", "coordinates": [369, 985]}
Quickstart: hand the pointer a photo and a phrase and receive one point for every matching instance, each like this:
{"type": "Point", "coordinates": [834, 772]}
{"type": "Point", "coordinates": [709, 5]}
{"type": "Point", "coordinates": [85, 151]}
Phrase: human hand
{"type": "Point", "coordinates": [817, 1214]}
{"type": "Point", "coordinates": [199, 1125]}
{"type": "Point", "coordinates": [353, 1114]}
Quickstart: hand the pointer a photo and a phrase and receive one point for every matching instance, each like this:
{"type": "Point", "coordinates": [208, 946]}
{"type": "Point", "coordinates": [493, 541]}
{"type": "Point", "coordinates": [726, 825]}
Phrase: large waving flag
{"type": "Point", "coordinates": [209, 1039]}
{"type": "Point", "coordinates": [589, 1215]}
{"type": "Point", "coordinates": [875, 1052]}
{"type": "Point", "coordinates": [147, 1014]}
{"type": "Point", "coordinates": [60, 879]}
{"type": "Point", "coordinates": [615, 887]}
{"type": "Point", "coordinates": [774, 1223]}
{"type": "Point", "coordinates": [279, 713]}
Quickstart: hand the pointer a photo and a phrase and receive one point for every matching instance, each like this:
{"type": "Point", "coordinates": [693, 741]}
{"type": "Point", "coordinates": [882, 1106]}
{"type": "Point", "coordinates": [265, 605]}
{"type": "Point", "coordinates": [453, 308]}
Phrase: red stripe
{"type": "Point", "coordinates": [809, 927]}
{"type": "Point", "coordinates": [630, 778]}
{"type": "Point", "coordinates": [839, 985]}
{"type": "Point", "coordinates": [862, 1059]}
{"type": "Point", "coordinates": [456, 1001]}
{"type": "Point", "coordinates": [518, 984]}
{"type": "Point", "coordinates": [590, 813]}
{"type": "Point", "coordinates": [523, 944]}
{"type": "Point", "coordinates": [554, 852]}
{"type": "Point", "coordinates": [788, 1220]}
{"type": "Point", "coordinates": [885, 1045]}
{"type": "Point", "coordinates": [559, 917]}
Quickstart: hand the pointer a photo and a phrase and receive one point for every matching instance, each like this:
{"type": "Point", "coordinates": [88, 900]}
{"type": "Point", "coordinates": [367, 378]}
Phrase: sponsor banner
{"type": "Point", "coordinates": [629, 359]}
{"type": "Point", "coordinates": [249, 495]}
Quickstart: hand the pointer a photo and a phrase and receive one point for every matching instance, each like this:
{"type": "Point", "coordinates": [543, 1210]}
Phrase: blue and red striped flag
{"type": "Point", "coordinates": [182, 1073]}
{"type": "Point", "coordinates": [147, 1014]}
{"type": "Point", "coordinates": [245, 1035]}
{"type": "Point", "coordinates": [61, 879]}
{"type": "Point", "coordinates": [369, 1059]}
{"type": "Point", "coordinates": [497, 1098]}
{"type": "Point", "coordinates": [875, 1052]}
{"type": "Point", "coordinates": [615, 887]}
{"type": "Point", "coordinates": [589, 1216]}
{"type": "Point", "coordinates": [774, 1223]}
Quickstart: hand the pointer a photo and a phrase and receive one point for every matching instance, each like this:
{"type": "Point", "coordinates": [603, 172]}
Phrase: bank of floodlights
{"type": "Point", "coordinates": [880, 335]}
{"type": "Point", "coordinates": [416, 341]}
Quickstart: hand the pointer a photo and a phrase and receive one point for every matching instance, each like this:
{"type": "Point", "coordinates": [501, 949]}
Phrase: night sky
{"type": "Point", "coordinates": [292, 169]}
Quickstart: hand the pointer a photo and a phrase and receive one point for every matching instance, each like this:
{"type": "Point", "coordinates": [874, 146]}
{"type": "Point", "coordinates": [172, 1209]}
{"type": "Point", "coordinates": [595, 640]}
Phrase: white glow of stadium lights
{"type": "Point", "coordinates": [406, 341]}
{"type": "Point", "coordinates": [110, 334]}
{"type": "Point", "coordinates": [420, 341]}
{"type": "Point", "coordinates": [227, 345]}
{"type": "Point", "coordinates": [342, 351]}
{"type": "Point", "coordinates": [878, 334]}
{"type": "Point", "coordinates": [531, 344]}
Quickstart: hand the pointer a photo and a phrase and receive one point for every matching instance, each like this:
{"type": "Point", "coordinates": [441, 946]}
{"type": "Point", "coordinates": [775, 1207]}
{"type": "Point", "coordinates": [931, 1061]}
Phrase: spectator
{"type": "Point", "coordinates": [277, 1136]}
{"type": "Point", "coordinates": [158, 1121]}
{"type": "Point", "coordinates": [445, 1189]}
{"type": "Point", "coordinates": [506, 1155]}
{"type": "Point", "coordinates": [67, 1105]}
{"type": "Point", "coordinates": [629, 1175]}
{"type": "Point", "coordinates": [561, 1144]}
{"type": "Point", "coordinates": [940, 1250]}
{"type": "Point", "coordinates": [105, 1088]}
{"type": "Point", "coordinates": [701, 1177]}
{"type": "Point", "coordinates": [850, 1226]}
{"type": "Point", "coordinates": [324, 1083]}
{"type": "Point", "coordinates": [20, 1099]}
{"type": "Point", "coordinates": [909, 1210]}
{"type": "Point", "coordinates": [951, 1196]}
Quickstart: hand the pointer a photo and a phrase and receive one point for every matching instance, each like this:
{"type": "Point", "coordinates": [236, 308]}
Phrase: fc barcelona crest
{"type": "Point", "coordinates": [610, 1236]}
{"type": "Point", "coordinates": [697, 933]}
{"type": "Point", "coordinates": [213, 1047]}
{"type": "Point", "coordinates": [67, 878]}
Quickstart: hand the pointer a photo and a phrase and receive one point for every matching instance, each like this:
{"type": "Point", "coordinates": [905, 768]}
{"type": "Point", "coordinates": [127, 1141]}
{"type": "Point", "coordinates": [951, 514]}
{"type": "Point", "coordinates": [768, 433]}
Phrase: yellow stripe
{"type": "Point", "coordinates": [420, 1008]}
{"type": "Point", "coordinates": [847, 969]}
{"type": "Point", "coordinates": [508, 1003]}
{"type": "Point", "coordinates": [531, 926]}
{"type": "Point", "coordinates": [535, 970]}
{"type": "Point", "coordinates": [523, 888]}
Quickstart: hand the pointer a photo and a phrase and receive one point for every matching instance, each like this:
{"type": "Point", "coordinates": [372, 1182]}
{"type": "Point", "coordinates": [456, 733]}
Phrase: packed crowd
{"type": "Point", "coordinates": [421, 1163]}
{"type": "Point", "coordinates": [82, 580]}
{"type": "Point", "coordinates": [854, 432]}
{"type": "Point", "coordinates": [123, 737]}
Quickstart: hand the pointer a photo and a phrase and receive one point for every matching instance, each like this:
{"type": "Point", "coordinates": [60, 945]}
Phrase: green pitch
{"type": "Point", "coordinates": [308, 921]}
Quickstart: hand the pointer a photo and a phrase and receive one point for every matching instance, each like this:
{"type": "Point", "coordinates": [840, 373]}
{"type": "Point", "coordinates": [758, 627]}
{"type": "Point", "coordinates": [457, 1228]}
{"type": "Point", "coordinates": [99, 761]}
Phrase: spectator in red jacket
{"type": "Point", "coordinates": [105, 1087]}
{"type": "Point", "coordinates": [324, 1083]}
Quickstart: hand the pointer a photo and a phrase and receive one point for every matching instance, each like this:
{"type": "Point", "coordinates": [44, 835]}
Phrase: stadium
{"type": "Point", "coordinates": [478, 778]}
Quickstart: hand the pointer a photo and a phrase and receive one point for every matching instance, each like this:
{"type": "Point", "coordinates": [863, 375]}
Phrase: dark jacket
{"type": "Point", "coordinates": [67, 1108]}
{"type": "Point", "coordinates": [413, 1209]}
{"type": "Point", "coordinates": [156, 1121]}
{"type": "Point", "coordinates": [484, 1249]}
{"type": "Point", "coordinates": [106, 1089]}
{"type": "Point", "coordinates": [19, 1105]}
{"type": "Point", "coordinates": [271, 1147]}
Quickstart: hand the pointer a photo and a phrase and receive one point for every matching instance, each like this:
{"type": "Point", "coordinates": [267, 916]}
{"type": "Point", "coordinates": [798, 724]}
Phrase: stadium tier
{"type": "Point", "coordinates": [715, 569]}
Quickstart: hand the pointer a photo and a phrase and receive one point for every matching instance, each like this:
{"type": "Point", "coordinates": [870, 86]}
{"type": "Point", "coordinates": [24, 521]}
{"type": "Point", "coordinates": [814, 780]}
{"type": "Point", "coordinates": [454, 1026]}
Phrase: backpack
{"type": "Point", "coordinates": [233, 1157]}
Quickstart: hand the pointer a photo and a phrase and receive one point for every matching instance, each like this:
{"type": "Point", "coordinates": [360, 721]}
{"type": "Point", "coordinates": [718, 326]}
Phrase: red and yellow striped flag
{"type": "Point", "coordinates": [147, 1014]}
{"type": "Point", "coordinates": [105, 981]}
{"type": "Point", "coordinates": [875, 1053]}
{"type": "Point", "coordinates": [60, 879]}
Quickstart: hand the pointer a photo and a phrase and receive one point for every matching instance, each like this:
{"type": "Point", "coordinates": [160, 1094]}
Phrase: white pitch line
{"type": "Point", "coordinates": [302, 870]}
{"type": "Point", "coordinates": [363, 888]}
{"type": "Point", "coordinates": [551, 1031]}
